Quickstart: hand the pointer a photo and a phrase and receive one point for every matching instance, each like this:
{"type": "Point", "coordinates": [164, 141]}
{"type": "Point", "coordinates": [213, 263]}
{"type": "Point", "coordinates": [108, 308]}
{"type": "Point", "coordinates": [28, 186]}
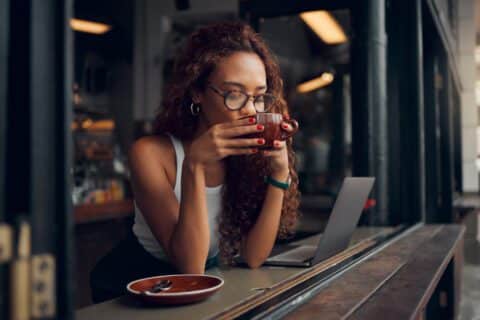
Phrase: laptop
{"type": "Point", "coordinates": [340, 227]}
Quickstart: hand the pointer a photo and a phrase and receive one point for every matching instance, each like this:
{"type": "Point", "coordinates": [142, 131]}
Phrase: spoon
{"type": "Point", "coordinates": [161, 285]}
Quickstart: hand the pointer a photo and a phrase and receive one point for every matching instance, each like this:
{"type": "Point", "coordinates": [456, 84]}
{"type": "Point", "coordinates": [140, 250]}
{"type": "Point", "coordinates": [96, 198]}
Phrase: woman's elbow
{"type": "Point", "coordinates": [192, 268]}
{"type": "Point", "coordinates": [254, 264]}
{"type": "Point", "coordinates": [187, 264]}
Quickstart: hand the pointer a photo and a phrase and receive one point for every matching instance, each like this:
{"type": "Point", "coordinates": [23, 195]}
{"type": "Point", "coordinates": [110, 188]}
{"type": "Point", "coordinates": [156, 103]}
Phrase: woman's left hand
{"type": "Point", "coordinates": [279, 155]}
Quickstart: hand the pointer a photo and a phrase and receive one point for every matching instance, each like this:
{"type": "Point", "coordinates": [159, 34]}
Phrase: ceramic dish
{"type": "Point", "coordinates": [184, 288]}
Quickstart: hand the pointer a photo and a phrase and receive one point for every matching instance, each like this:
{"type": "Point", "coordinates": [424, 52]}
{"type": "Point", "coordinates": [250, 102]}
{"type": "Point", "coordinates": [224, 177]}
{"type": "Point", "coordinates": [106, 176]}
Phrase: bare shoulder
{"type": "Point", "coordinates": [151, 146]}
{"type": "Point", "coordinates": [152, 153]}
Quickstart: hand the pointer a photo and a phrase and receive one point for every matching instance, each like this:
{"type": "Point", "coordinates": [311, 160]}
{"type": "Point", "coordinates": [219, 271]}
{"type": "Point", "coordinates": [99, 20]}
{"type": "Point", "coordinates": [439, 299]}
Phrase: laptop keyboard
{"type": "Point", "coordinates": [301, 253]}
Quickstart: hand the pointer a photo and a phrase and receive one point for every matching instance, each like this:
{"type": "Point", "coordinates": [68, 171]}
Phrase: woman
{"type": "Point", "coordinates": [199, 182]}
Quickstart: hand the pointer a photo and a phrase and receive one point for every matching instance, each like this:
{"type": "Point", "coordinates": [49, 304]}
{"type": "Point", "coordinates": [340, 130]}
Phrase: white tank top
{"type": "Point", "coordinates": [142, 230]}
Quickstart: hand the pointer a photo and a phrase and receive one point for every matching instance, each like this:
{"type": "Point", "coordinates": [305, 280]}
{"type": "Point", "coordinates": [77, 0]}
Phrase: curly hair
{"type": "Point", "coordinates": [241, 207]}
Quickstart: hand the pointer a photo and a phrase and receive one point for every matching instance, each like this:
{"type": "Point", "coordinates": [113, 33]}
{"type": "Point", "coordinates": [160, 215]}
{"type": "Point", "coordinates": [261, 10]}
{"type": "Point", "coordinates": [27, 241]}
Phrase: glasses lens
{"type": "Point", "coordinates": [235, 100]}
{"type": "Point", "coordinates": [264, 102]}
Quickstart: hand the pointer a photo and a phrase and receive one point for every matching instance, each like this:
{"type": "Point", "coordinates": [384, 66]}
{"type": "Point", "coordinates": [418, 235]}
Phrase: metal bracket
{"type": "Point", "coordinates": [32, 276]}
{"type": "Point", "coordinates": [20, 275]}
{"type": "Point", "coordinates": [6, 248]}
{"type": "Point", "coordinates": [43, 286]}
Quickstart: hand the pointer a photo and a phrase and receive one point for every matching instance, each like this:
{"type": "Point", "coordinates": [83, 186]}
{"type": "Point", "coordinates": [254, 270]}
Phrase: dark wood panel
{"type": "Point", "coordinates": [92, 242]}
{"type": "Point", "coordinates": [343, 295]}
{"type": "Point", "coordinates": [38, 154]}
{"type": "Point", "coordinates": [407, 293]}
{"type": "Point", "coordinates": [4, 33]}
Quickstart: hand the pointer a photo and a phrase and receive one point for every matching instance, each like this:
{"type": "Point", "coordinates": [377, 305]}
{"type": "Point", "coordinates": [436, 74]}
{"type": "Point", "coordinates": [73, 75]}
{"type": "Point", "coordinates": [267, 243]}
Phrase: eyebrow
{"type": "Point", "coordinates": [232, 83]}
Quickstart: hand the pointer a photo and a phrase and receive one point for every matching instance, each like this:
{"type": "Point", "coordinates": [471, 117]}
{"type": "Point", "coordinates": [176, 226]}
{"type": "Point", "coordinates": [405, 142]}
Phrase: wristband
{"type": "Point", "coordinates": [278, 184]}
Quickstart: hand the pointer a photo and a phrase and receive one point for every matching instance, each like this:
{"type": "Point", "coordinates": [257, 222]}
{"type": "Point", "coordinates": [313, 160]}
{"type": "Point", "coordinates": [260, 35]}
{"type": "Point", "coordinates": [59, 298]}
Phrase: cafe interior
{"type": "Point", "coordinates": [382, 89]}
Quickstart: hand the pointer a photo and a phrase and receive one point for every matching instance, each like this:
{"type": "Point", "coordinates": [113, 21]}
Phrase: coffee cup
{"type": "Point", "coordinates": [272, 123]}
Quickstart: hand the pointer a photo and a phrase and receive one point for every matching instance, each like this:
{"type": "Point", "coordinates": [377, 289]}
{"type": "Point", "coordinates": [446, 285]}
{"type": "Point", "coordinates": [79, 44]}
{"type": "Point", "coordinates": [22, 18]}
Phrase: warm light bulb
{"type": "Point", "coordinates": [89, 26]}
{"type": "Point", "coordinates": [325, 26]}
{"type": "Point", "coordinates": [323, 80]}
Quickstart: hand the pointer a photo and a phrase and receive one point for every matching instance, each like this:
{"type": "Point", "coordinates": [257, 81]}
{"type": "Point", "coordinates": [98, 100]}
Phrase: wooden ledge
{"type": "Point", "coordinates": [88, 213]}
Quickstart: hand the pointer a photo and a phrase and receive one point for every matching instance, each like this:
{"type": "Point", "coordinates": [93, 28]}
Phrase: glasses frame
{"type": "Point", "coordinates": [224, 95]}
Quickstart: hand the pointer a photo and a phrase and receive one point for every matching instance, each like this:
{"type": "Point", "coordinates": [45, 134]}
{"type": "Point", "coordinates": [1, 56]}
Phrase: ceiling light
{"type": "Point", "coordinates": [89, 26]}
{"type": "Point", "coordinates": [325, 26]}
{"type": "Point", "coordinates": [325, 79]}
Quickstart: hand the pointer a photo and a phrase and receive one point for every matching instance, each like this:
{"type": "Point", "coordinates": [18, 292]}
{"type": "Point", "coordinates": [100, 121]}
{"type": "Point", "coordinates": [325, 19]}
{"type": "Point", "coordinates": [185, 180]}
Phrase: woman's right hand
{"type": "Point", "coordinates": [223, 140]}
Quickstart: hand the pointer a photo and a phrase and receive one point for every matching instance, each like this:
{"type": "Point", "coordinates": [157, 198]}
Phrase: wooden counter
{"type": "Point", "coordinates": [400, 275]}
{"type": "Point", "coordinates": [87, 213]}
{"type": "Point", "coordinates": [240, 284]}
{"type": "Point", "coordinates": [398, 282]}
{"type": "Point", "coordinates": [98, 228]}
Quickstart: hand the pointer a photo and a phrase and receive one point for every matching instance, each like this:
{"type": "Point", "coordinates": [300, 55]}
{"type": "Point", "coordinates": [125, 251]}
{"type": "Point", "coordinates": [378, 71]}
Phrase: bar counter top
{"type": "Point", "coordinates": [246, 289]}
{"type": "Point", "coordinates": [240, 284]}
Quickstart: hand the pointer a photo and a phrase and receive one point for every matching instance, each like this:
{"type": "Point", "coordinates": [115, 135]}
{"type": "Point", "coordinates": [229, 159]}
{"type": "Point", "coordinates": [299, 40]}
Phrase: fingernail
{"type": "Point", "coordinates": [284, 126]}
{"type": "Point", "coordinates": [254, 150]}
{"type": "Point", "coordinates": [259, 127]}
{"type": "Point", "coordinates": [251, 120]}
{"type": "Point", "coordinates": [277, 144]}
{"type": "Point", "coordinates": [260, 141]}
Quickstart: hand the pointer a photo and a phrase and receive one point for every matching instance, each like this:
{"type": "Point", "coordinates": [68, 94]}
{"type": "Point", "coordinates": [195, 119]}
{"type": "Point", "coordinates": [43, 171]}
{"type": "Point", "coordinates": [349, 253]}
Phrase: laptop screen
{"type": "Point", "coordinates": [344, 217]}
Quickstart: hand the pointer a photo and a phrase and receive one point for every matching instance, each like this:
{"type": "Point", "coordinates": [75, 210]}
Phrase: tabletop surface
{"type": "Point", "coordinates": [394, 283]}
{"type": "Point", "coordinates": [240, 284]}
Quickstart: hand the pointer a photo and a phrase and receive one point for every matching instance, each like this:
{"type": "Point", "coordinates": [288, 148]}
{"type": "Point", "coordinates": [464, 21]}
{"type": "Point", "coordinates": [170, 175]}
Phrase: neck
{"type": "Point", "coordinates": [201, 128]}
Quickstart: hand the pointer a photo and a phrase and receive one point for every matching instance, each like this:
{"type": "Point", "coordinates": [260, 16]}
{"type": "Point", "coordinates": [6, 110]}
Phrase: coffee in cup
{"type": "Point", "coordinates": [272, 123]}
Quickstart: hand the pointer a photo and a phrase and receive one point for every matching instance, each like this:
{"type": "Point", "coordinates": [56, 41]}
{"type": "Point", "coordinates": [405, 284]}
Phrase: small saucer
{"type": "Point", "coordinates": [185, 288]}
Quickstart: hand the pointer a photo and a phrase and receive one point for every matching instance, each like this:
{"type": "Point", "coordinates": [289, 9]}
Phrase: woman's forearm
{"type": "Point", "coordinates": [190, 241]}
{"type": "Point", "coordinates": [261, 238]}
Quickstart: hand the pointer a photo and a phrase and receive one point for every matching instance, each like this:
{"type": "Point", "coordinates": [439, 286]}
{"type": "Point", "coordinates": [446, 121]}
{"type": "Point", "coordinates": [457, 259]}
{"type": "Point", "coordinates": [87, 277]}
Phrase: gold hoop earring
{"type": "Point", "coordinates": [194, 109]}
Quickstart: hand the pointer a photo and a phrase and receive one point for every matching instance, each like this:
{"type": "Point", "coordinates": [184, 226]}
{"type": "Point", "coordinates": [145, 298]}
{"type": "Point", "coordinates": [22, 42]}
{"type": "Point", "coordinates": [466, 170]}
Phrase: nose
{"type": "Point", "coordinates": [248, 109]}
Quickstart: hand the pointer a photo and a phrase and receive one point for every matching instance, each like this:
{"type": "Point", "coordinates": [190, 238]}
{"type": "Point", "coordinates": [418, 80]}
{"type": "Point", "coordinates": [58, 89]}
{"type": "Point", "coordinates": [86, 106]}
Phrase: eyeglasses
{"type": "Point", "coordinates": [236, 100]}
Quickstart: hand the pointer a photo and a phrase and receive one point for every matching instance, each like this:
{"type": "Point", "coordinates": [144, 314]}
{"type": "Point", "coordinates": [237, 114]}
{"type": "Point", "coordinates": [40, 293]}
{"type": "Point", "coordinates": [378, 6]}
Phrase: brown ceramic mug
{"type": "Point", "coordinates": [272, 123]}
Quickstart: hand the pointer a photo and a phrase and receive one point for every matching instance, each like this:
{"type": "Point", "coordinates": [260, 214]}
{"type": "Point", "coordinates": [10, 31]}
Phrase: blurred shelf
{"type": "Point", "coordinates": [468, 201]}
{"type": "Point", "coordinates": [88, 213]}
{"type": "Point", "coordinates": [465, 203]}
{"type": "Point", "coordinates": [89, 110]}
{"type": "Point", "coordinates": [89, 125]}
